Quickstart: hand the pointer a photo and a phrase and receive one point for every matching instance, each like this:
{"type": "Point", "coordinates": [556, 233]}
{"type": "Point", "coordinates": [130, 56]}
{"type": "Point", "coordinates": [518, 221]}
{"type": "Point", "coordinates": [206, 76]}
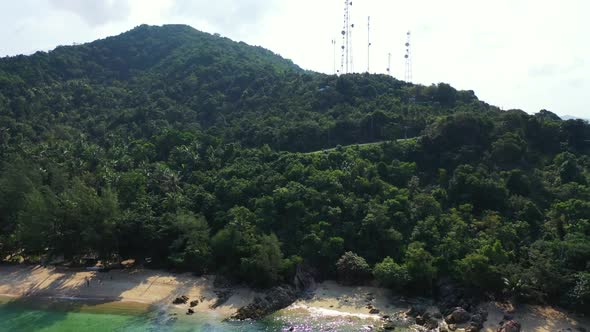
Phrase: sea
{"type": "Point", "coordinates": [62, 315]}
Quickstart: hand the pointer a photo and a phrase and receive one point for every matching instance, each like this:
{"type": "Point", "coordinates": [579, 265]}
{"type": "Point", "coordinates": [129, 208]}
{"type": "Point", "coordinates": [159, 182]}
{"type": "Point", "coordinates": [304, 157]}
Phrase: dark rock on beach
{"type": "Point", "coordinates": [458, 316]}
{"type": "Point", "coordinates": [416, 310]}
{"type": "Point", "coordinates": [275, 299]}
{"type": "Point", "coordinates": [222, 296]}
{"type": "Point", "coordinates": [510, 326]}
{"type": "Point", "coordinates": [180, 300]}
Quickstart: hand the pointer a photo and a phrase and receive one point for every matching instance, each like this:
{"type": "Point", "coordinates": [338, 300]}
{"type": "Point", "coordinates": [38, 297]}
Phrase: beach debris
{"type": "Point", "coordinates": [180, 300]}
{"type": "Point", "coordinates": [194, 303]}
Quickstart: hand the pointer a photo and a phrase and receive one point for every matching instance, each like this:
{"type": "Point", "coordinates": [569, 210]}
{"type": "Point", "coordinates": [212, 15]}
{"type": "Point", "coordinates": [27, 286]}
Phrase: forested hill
{"type": "Point", "coordinates": [150, 79]}
{"type": "Point", "coordinates": [191, 149]}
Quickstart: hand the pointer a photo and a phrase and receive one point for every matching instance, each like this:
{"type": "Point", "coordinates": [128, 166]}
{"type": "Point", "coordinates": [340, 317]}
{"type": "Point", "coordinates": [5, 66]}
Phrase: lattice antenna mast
{"type": "Point", "coordinates": [388, 63]}
{"type": "Point", "coordinates": [408, 56]}
{"type": "Point", "coordinates": [334, 51]}
{"type": "Point", "coordinates": [369, 44]}
{"type": "Point", "coordinates": [346, 61]}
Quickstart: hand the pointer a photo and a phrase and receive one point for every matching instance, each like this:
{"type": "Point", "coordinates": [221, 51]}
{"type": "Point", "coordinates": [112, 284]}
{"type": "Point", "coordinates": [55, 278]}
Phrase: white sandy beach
{"type": "Point", "coordinates": [159, 288]}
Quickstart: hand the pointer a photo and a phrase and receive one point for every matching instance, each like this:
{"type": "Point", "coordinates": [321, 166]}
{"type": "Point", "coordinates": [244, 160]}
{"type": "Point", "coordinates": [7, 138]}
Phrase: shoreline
{"type": "Point", "coordinates": [140, 289]}
{"type": "Point", "coordinates": [152, 288]}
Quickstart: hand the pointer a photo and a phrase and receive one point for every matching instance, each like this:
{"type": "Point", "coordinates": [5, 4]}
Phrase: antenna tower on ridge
{"type": "Point", "coordinates": [334, 51]}
{"type": "Point", "coordinates": [388, 63]}
{"type": "Point", "coordinates": [346, 62]}
{"type": "Point", "coordinates": [369, 44]}
{"type": "Point", "coordinates": [408, 56]}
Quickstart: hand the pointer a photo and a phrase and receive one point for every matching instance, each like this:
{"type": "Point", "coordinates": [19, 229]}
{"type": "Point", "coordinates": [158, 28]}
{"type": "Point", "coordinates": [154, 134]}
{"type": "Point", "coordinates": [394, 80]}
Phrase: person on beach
{"type": "Point", "coordinates": [87, 281]}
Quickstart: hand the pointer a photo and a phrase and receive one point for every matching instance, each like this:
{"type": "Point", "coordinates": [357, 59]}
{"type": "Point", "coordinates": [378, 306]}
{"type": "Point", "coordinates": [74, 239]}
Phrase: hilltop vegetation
{"type": "Point", "coordinates": [188, 148]}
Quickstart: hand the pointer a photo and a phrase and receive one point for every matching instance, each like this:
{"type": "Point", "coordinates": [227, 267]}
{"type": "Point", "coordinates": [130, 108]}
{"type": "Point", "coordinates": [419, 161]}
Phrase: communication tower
{"type": "Point", "coordinates": [408, 57]}
{"type": "Point", "coordinates": [346, 61]}
{"type": "Point", "coordinates": [388, 63]}
{"type": "Point", "coordinates": [369, 44]}
{"type": "Point", "coordinates": [334, 51]}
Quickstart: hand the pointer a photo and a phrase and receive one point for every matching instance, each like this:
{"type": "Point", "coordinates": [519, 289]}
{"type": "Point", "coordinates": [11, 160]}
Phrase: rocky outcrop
{"type": "Point", "coordinates": [194, 303]}
{"type": "Point", "coordinates": [275, 299]}
{"type": "Point", "coordinates": [510, 326]}
{"type": "Point", "coordinates": [222, 296]}
{"type": "Point", "coordinates": [477, 320]}
{"type": "Point", "coordinates": [428, 321]}
{"type": "Point", "coordinates": [450, 296]}
{"type": "Point", "coordinates": [458, 316]}
{"type": "Point", "coordinates": [416, 310]}
{"type": "Point", "coordinates": [459, 306]}
{"type": "Point", "coordinates": [304, 279]}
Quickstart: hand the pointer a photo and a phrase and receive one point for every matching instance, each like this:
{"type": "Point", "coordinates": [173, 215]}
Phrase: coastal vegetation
{"type": "Point", "coordinates": [211, 156]}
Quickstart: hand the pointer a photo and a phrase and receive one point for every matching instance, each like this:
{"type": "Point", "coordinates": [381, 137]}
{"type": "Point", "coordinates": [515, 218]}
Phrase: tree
{"type": "Point", "coordinates": [390, 274]}
{"type": "Point", "coordinates": [477, 271]}
{"type": "Point", "coordinates": [420, 266]}
{"type": "Point", "coordinates": [352, 268]}
{"type": "Point", "coordinates": [191, 249]}
{"type": "Point", "coordinates": [580, 294]}
{"type": "Point", "coordinates": [36, 223]}
{"type": "Point", "coordinates": [264, 265]}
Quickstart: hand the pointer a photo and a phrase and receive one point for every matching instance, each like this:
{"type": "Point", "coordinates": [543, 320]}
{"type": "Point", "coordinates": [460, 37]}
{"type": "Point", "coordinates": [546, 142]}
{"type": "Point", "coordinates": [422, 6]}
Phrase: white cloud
{"type": "Point", "coordinates": [95, 12]}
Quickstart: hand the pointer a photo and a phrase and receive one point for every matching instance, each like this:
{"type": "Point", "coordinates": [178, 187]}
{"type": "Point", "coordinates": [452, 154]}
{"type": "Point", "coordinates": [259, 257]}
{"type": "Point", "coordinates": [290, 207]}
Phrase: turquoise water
{"type": "Point", "coordinates": [63, 316]}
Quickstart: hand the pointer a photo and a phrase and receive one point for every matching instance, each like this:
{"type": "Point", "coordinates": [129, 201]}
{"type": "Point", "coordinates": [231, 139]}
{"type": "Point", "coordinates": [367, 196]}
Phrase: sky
{"type": "Point", "coordinates": [515, 54]}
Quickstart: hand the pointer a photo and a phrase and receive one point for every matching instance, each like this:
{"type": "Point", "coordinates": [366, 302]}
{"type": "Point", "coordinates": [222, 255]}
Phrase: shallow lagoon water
{"type": "Point", "coordinates": [50, 315]}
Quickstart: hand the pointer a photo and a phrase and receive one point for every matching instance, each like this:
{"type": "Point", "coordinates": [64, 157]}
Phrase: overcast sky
{"type": "Point", "coordinates": [526, 54]}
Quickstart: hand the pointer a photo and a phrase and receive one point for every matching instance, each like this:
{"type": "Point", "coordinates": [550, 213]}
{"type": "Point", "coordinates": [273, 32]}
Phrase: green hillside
{"type": "Point", "coordinates": [193, 150]}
